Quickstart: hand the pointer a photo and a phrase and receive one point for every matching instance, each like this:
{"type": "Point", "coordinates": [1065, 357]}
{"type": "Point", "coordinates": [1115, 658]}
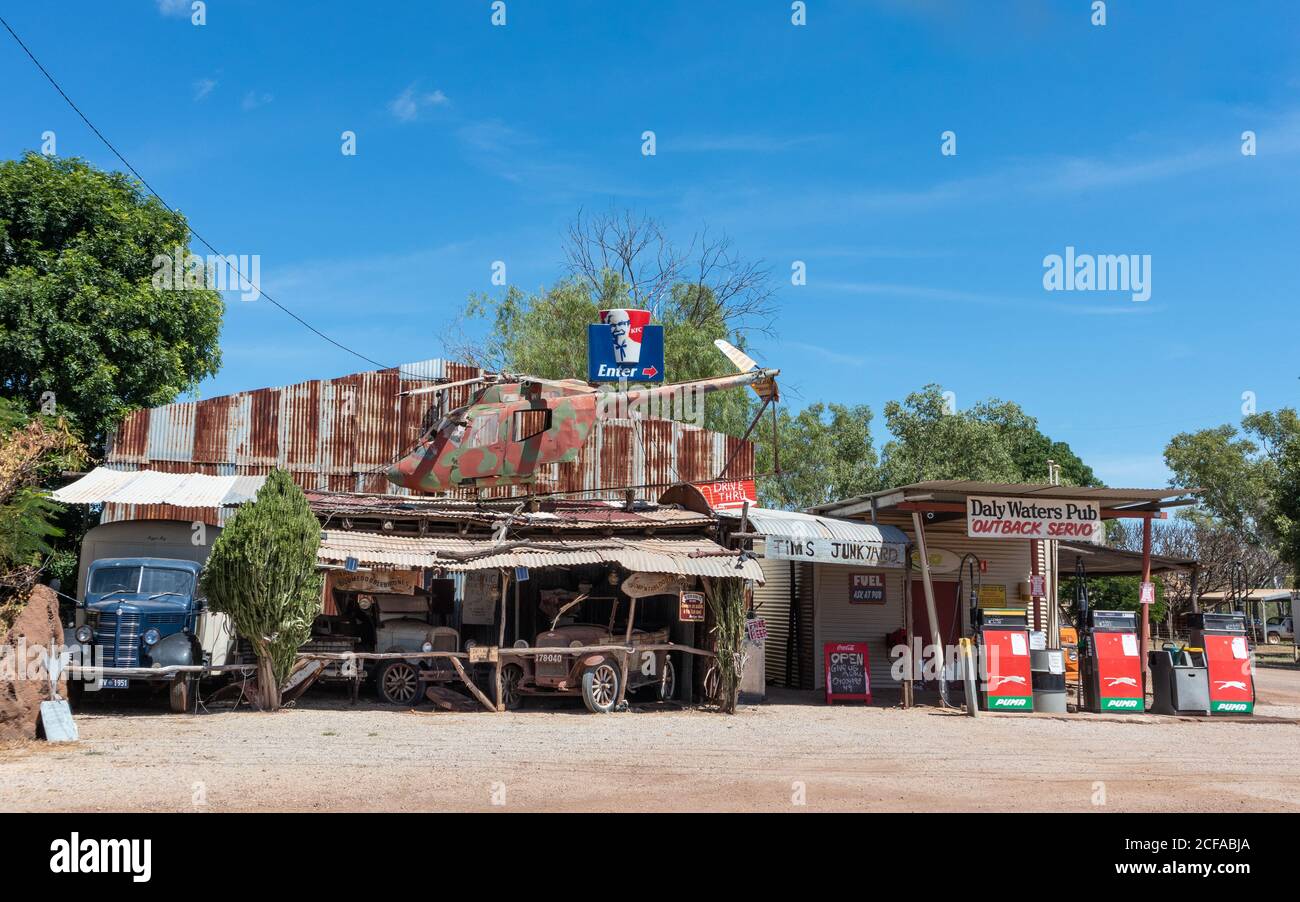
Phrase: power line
{"type": "Point", "coordinates": [197, 236]}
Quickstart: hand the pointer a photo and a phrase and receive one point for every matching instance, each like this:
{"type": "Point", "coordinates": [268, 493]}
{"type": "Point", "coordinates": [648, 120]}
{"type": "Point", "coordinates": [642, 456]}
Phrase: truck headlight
{"type": "Point", "coordinates": [85, 634]}
{"type": "Point", "coordinates": [521, 643]}
{"type": "Point", "coordinates": [428, 646]}
{"type": "Point", "coordinates": [151, 636]}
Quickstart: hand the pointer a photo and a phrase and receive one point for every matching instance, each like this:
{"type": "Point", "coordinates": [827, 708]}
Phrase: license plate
{"type": "Point", "coordinates": [115, 683]}
{"type": "Point", "coordinates": [550, 659]}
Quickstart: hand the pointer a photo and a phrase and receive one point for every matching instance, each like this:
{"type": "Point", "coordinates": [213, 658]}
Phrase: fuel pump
{"type": "Point", "coordinates": [1110, 663]}
{"type": "Point", "coordinates": [1003, 637]}
{"type": "Point", "coordinates": [1227, 659]}
{"type": "Point", "coordinates": [1110, 666]}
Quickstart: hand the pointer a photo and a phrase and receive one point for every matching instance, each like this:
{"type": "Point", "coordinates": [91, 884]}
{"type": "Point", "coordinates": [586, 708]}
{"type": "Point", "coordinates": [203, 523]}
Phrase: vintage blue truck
{"type": "Point", "coordinates": [145, 612]}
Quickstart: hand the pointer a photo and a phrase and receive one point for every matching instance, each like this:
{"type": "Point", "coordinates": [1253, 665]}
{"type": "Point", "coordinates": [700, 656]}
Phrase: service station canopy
{"type": "Point", "coordinates": [1015, 510]}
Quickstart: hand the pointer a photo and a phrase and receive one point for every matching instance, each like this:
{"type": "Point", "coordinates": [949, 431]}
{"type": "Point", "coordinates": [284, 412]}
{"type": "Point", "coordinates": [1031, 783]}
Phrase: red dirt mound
{"type": "Point", "coordinates": [20, 699]}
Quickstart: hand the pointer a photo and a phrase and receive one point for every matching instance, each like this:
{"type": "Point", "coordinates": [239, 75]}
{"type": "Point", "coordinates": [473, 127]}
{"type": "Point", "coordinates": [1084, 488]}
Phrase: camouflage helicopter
{"type": "Point", "coordinates": [514, 424]}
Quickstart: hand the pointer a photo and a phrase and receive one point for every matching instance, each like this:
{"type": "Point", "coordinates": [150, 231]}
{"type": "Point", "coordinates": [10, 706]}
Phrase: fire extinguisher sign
{"type": "Point", "coordinates": [848, 673]}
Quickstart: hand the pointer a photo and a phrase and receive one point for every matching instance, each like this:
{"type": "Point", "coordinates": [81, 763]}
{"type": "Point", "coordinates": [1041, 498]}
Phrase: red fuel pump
{"type": "Point", "coordinates": [1003, 638]}
{"type": "Point", "coordinates": [1227, 658]}
{"type": "Point", "coordinates": [1110, 665]}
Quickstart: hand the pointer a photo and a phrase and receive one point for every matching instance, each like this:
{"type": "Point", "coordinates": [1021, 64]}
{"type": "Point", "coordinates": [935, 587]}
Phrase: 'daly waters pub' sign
{"type": "Point", "coordinates": [990, 517]}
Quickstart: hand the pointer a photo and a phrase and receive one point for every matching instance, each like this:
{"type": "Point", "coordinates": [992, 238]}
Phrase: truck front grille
{"type": "Point", "coordinates": [119, 637]}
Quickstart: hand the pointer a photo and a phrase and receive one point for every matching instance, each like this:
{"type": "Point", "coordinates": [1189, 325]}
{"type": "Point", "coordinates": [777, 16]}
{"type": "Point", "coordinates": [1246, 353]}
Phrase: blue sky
{"type": "Point", "coordinates": [818, 143]}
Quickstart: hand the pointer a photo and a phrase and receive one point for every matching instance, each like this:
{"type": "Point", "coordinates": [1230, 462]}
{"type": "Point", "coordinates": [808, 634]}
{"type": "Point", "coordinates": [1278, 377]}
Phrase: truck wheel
{"type": "Point", "coordinates": [399, 683]}
{"type": "Point", "coordinates": [511, 675]}
{"type": "Point", "coordinates": [181, 690]}
{"type": "Point", "coordinates": [600, 687]}
{"type": "Point", "coordinates": [1274, 638]}
{"type": "Point", "coordinates": [668, 682]}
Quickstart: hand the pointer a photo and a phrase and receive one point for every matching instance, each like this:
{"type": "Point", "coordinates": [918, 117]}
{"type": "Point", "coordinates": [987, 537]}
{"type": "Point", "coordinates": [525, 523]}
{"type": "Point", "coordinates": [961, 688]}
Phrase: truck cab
{"type": "Point", "coordinates": [145, 612]}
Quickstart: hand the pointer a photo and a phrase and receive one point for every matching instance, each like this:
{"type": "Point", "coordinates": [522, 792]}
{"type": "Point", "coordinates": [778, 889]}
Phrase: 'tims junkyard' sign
{"type": "Point", "coordinates": [835, 551]}
{"type": "Point", "coordinates": [1033, 518]}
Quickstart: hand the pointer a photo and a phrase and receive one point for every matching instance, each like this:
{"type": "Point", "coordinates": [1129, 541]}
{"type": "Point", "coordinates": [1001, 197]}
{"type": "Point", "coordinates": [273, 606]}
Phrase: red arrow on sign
{"type": "Point", "coordinates": [650, 371]}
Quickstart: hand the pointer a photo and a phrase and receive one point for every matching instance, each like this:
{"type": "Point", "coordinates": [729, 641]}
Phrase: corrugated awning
{"type": "Point", "coordinates": [1098, 560]}
{"type": "Point", "coordinates": [795, 525]}
{"type": "Point", "coordinates": [688, 556]}
{"type": "Point", "coordinates": [103, 485]}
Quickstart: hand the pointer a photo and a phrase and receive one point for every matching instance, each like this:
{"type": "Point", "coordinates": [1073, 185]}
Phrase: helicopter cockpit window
{"type": "Point", "coordinates": [529, 423]}
{"type": "Point", "coordinates": [484, 430]}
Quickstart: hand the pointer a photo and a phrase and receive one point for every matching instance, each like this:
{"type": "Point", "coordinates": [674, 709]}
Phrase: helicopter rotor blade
{"type": "Point", "coordinates": [445, 386]}
{"type": "Point", "coordinates": [739, 359]}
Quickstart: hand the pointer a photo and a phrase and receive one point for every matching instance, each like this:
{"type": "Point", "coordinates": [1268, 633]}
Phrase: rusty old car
{"type": "Point", "coordinates": [596, 675]}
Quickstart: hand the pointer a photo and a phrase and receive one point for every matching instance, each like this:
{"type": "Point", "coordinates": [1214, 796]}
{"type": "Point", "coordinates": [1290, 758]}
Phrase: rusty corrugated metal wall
{"type": "Point", "coordinates": [340, 434]}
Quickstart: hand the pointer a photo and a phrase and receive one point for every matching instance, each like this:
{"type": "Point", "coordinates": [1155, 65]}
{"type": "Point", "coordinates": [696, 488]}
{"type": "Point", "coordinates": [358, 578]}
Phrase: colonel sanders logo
{"type": "Point", "coordinates": [626, 328]}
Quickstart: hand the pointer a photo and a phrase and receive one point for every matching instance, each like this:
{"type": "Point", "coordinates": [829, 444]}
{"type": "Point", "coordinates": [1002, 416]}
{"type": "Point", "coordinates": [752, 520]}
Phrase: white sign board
{"type": "Point", "coordinates": [481, 599]}
{"type": "Point", "coordinates": [835, 551]}
{"type": "Point", "coordinates": [991, 517]}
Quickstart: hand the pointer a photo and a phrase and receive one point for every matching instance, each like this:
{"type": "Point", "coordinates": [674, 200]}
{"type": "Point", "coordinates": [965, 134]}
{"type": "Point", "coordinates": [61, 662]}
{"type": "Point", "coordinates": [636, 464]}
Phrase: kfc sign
{"type": "Point", "coordinates": [624, 346]}
{"type": "Point", "coordinates": [1033, 518]}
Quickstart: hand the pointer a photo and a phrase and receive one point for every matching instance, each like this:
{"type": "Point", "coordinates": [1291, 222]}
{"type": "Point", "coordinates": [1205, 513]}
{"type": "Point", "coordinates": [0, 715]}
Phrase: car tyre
{"type": "Point", "coordinates": [511, 676]}
{"type": "Point", "coordinates": [398, 683]}
{"type": "Point", "coordinates": [600, 685]}
{"type": "Point", "coordinates": [1273, 638]}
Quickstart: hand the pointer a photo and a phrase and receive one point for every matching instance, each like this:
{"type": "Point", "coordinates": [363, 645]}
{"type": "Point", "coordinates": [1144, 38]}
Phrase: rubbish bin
{"type": "Point", "coordinates": [1047, 672]}
{"type": "Point", "coordinates": [1180, 682]}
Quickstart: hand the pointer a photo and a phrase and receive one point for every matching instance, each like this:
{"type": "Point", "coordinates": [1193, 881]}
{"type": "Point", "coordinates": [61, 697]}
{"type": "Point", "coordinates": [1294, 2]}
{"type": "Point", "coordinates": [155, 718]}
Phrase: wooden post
{"type": "Point", "coordinates": [469, 684]}
{"type": "Point", "coordinates": [1144, 645]}
{"type": "Point", "coordinates": [919, 528]}
{"type": "Point", "coordinates": [1034, 570]}
{"type": "Point", "coordinates": [501, 640]}
{"type": "Point", "coordinates": [627, 640]}
{"type": "Point", "coordinates": [908, 686]}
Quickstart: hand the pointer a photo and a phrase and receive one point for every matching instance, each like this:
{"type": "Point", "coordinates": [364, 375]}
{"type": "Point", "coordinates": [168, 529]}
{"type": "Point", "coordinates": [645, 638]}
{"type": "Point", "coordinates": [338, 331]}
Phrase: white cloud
{"type": "Point", "coordinates": [203, 87]}
{"type": "Point", "coordinates": [254, 99]}
{"type": "Point", "coordinates": [407, 106]}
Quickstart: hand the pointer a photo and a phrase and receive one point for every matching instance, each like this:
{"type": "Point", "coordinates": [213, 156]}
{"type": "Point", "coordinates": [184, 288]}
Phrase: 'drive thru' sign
{"type": "Point", "coordinates": [1033, 518]}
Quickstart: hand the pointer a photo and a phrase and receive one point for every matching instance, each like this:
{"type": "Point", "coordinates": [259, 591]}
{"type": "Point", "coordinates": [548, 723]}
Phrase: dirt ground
{"type": "Point", "coordinates": [326, 755]}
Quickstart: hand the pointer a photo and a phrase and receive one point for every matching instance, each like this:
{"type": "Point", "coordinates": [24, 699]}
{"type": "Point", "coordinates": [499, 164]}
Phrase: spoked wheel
{"type": "Point", "coordinates": [668, 682]}
{"type": "Point", "coordinates": [712, 684]}
{"type": "Point", "coordinates": [511, 674]}
{"type": "Point", "coordinates": [600, 687]}
{"type": "Point", "coordinates": [399, 683]}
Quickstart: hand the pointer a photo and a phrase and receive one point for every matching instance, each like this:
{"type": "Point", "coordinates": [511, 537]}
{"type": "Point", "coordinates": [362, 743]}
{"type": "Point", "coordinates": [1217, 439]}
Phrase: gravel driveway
{"type": "Point", "coordinates": [790, 755]}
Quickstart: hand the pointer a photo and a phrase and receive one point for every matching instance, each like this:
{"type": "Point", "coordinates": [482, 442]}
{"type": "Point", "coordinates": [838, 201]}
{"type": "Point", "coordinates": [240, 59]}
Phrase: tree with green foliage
{"type": "Point", "coordinates": [1249, 482]}
{"type": "Point", "coordinates": [262, 573]}
{"type": "Point", "coordinates": [698, 293]}
{"type": "Point", "coordinates": [34, 450]}
{"type": "Point", "coordinates": [82, 326]}
{"type": "Point", "coordinates": [993, 440]}
{"type": "Point", "coordinates": [826, 454]}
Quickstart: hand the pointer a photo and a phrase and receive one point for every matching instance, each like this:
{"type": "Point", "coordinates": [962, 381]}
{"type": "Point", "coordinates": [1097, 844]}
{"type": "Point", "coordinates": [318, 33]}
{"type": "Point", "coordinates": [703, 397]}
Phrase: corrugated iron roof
{"type": "Point", "coordinates": [1099, 560]}
{"type": "Point", "coordinates": [340, 435]}
{"type": "Point", "coordinates": [796, 525]}
{"type": "Point", "coordinates": [689, 556]}
{"type": "Point", "coordinates": [104, 485]}
{"type": "Point", "coordinates": [552, 513]}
